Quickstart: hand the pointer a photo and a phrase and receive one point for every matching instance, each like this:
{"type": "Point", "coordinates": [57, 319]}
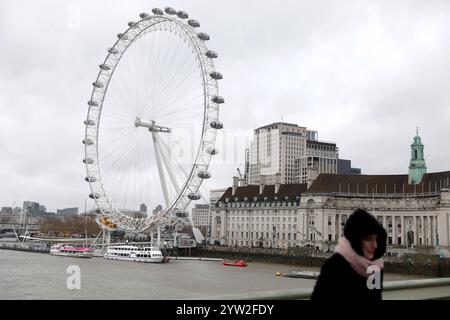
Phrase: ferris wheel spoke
{"type": "Point", "coordinates": [178, 110]}
{"type": "Point", "coordinates": [166, 89]}
{"type": "Point", "coordinates": [161, 73]}
{"type": "Point", "coordinates": [167, 149]}
{"type": "Point", "coordinates": [124, 78]}
{"type": "Point", "coordinates": [181, 102]}
{"type": "Point", "coordinates": [175, 98]}
{"type": "Point", "coordinates": [164, 75]}
{"type": "Point", "coordinates": [122, 163]}
{"type": "Point", "coordinates": [173, 105]}
{"type": "Point", "coordinates": [184, 67]}
{"type": "Point", "coordinates": [167, 86]}
{"type": "Point", "coordinates": [195, 115]}
{"type": "Point", "coordinates": [120, 103]}
{"type": "Point", "coordinates": [155, 69]}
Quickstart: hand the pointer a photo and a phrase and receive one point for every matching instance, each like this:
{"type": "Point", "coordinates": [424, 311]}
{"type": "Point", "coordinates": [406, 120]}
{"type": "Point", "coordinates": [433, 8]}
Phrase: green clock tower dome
{"type": "Point", "coordinates": [417, 167]}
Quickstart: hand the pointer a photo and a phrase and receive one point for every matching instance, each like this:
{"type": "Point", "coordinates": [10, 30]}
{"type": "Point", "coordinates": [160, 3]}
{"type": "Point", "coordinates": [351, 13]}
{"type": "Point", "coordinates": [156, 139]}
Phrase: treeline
{"type": "Point", "coordinates": [69, 225]}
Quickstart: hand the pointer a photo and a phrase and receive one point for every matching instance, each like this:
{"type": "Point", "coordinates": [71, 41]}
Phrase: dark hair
{"type": "Point", "coordinates": [361, 224]}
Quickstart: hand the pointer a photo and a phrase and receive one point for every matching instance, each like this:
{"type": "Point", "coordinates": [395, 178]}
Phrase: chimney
{"type": "Point", "coordinates": [261, 184]}
{"type": "Point", "coordinates": [277, 182]}
{"type": "Point", "coordinates": [235, 185]}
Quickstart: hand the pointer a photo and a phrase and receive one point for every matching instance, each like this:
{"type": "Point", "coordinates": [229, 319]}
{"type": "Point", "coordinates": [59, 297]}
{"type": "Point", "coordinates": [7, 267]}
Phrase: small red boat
{"type": "Point", "coordinates": [234, 263]}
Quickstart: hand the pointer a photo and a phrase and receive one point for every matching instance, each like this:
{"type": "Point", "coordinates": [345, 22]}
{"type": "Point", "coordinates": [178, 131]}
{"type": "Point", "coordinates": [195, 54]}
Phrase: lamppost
{"type": "Point", "coordinates": [274, 232]}
{"type": "Point", "coordinates": [293, 232]}
{"type": "Point", "coordinates": [304, 238]}
{"type": "Point", "coordinates": [409, 235]}
{"type": "Point", "coordinates": [238, 226]}
{"type": "Point", "coordinates": [318, 233]}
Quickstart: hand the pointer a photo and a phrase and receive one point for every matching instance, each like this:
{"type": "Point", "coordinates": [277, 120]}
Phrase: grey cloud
{"type": "Point", "coordinates": [362, 73]}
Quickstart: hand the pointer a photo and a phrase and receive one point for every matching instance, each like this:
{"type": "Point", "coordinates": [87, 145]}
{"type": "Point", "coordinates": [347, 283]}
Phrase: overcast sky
{"type": "Point", "coordinates": [364, 74]}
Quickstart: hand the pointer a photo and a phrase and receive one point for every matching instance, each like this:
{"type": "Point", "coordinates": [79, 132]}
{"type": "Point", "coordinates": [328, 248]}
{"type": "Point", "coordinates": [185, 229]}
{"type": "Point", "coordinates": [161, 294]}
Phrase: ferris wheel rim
{"type": "Point", "coordinates": [210, 116]}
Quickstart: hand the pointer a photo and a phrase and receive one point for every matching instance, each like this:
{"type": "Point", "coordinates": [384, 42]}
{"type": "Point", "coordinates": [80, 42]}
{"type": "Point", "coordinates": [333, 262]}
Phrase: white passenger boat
{"type": "Point", "coordinates": [134, 253]}
{"type": "Point", "coordinates": [68, 250]}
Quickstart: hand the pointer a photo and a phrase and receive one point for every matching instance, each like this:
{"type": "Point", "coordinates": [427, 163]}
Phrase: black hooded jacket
{"type": "Point", "coordinates": [337, 279]}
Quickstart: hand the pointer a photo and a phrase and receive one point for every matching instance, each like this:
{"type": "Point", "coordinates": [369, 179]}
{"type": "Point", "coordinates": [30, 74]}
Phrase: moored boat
{"type": "Point", "coordinates": [302, 274]}
{"type": "Point", "coordinates": [135, 253]}
{"type": "Point", "coordinates": [234, 263]}
{"type": "Point", "coordinates": [68, 250]}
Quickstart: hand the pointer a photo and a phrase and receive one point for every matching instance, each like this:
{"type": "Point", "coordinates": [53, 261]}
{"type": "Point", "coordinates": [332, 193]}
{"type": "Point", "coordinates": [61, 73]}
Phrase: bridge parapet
{"type": "Point", "coordinates": [423, 289]}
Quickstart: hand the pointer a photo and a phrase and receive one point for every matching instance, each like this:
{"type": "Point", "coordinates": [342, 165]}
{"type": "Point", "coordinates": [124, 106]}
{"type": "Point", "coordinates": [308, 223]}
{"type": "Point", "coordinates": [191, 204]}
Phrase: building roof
{"type": "Point", "coordinates": [321, 143]}
{"type": "Point", "coordinates": [378, 184]}
{"type": "Point", "coordinates": [280, 124]}
{"type": "Point", "coordinates": [201, 206]}
{"type": "Point", "coordinates": [252, 191]}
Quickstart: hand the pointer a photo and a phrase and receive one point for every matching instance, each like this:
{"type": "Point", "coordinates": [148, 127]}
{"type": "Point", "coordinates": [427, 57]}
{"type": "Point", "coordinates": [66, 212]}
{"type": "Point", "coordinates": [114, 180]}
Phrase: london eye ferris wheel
{"type": "Point", "coordinates": [152, 120]}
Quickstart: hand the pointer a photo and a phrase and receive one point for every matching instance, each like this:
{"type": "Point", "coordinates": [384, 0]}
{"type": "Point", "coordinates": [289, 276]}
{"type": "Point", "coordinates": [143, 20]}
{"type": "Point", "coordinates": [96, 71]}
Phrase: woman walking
{"type": "Point", "coordinates": [355, 270]}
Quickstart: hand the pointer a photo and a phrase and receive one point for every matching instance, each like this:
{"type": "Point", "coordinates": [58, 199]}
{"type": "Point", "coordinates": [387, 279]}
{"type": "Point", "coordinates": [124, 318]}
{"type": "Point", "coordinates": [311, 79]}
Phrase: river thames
{"type": "Point", "coordinates": [26, 275]}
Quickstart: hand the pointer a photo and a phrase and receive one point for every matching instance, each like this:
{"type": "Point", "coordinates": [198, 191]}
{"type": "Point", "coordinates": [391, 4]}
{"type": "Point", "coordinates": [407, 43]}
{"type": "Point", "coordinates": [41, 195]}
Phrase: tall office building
{"type": "Point", "coordinates": [6, 210]}
{"type": "Point", "coordinates": [31, 207]}
{"type": "Point", "coordinates": [201, 216]}
{"type": "Point", "coordinates": [276, 149]}
{"type": "Point", "coordinates": [67, 212]}
{"type": "Point", "coordinates": [321, 157]}
{"type": "Point", "coordinates": [288, 154]}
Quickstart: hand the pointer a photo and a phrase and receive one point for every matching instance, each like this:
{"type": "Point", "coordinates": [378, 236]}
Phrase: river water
{"type": "Point", "coordinates": [27, 275]}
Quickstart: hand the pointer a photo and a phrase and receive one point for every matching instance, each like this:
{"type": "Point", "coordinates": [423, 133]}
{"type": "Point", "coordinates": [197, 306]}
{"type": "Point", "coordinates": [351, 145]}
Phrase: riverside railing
{"type": "Point", "coordinates": [424, 289]}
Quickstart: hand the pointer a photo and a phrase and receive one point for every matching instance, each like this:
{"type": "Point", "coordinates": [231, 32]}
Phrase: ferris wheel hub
{"type": "Point", "coordinates": [151, 125]}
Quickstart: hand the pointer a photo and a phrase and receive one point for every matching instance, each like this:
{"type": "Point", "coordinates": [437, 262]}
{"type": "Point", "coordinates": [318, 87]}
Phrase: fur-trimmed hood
{"type": "Point", "coordinates": [360, 225]}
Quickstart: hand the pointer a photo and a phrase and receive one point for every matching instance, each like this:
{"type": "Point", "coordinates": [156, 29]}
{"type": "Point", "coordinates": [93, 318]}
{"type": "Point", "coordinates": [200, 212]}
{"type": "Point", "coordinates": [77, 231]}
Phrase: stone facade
{"type": "Point", "coordinates": [201, 216]}
{"type": "Point", "coordinates": [258, 216]}
{"type": "Point", "coordinates": [289, 215]}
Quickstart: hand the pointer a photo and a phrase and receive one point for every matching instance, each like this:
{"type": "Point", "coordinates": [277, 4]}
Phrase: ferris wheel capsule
{"type": "Point", "coordinates": [182, 15]}
{"type": "Point", "coordinates": [204, 174]}
{"type": "Point", "coordinates": [182, 213]}
{"type": "Point", "coordinates": [170, 10]}
{"type": "Point", "coordinates": [216, 75]}
{"type": "Point", "coordinates": [97, 84]}
{"type": "Point", "coordinates": [92, 103]}
{"type": "Point", "coordinates": [90, 179]}
{"type": "Point", "coordinates": [88, 161]}
{"type": "Point", "coordinates": [113, 51]}
{"type": "Point", "coordinates": [211, 54]}
{"type": "Point", "coordinates": [218, 99]}
{"type": "Point", "coordinates": [132, 24]}
{"type": "Point", "coordinates": [203, 36]}
{"type": "Point", "coordinates": [144, 15]}
{"type": "Point", "coordinates": [122, 36]}
{"type": "Point", "coordinates": [216, 125]}
{"type": "Point", "coordinates": [193, 23]}
{"type": "Point", "coordinates": [94, 196]}
{"type": "Point", "coordinates": [105, 67]}
{"type": "Point", "coordinates": [157, 11]}
{"type": "Point", "coordinates": [212, 151]}
{"type": "Point", "coordinates": [88, 142]}
{"type": "Point", "coordinates": [194, 196]}
{"type": "Point", "coordinates": [89, 122]}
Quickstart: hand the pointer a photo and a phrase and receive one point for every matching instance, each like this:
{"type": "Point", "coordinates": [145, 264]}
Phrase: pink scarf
{"type": "Point", "coordinates": [358, 263]}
